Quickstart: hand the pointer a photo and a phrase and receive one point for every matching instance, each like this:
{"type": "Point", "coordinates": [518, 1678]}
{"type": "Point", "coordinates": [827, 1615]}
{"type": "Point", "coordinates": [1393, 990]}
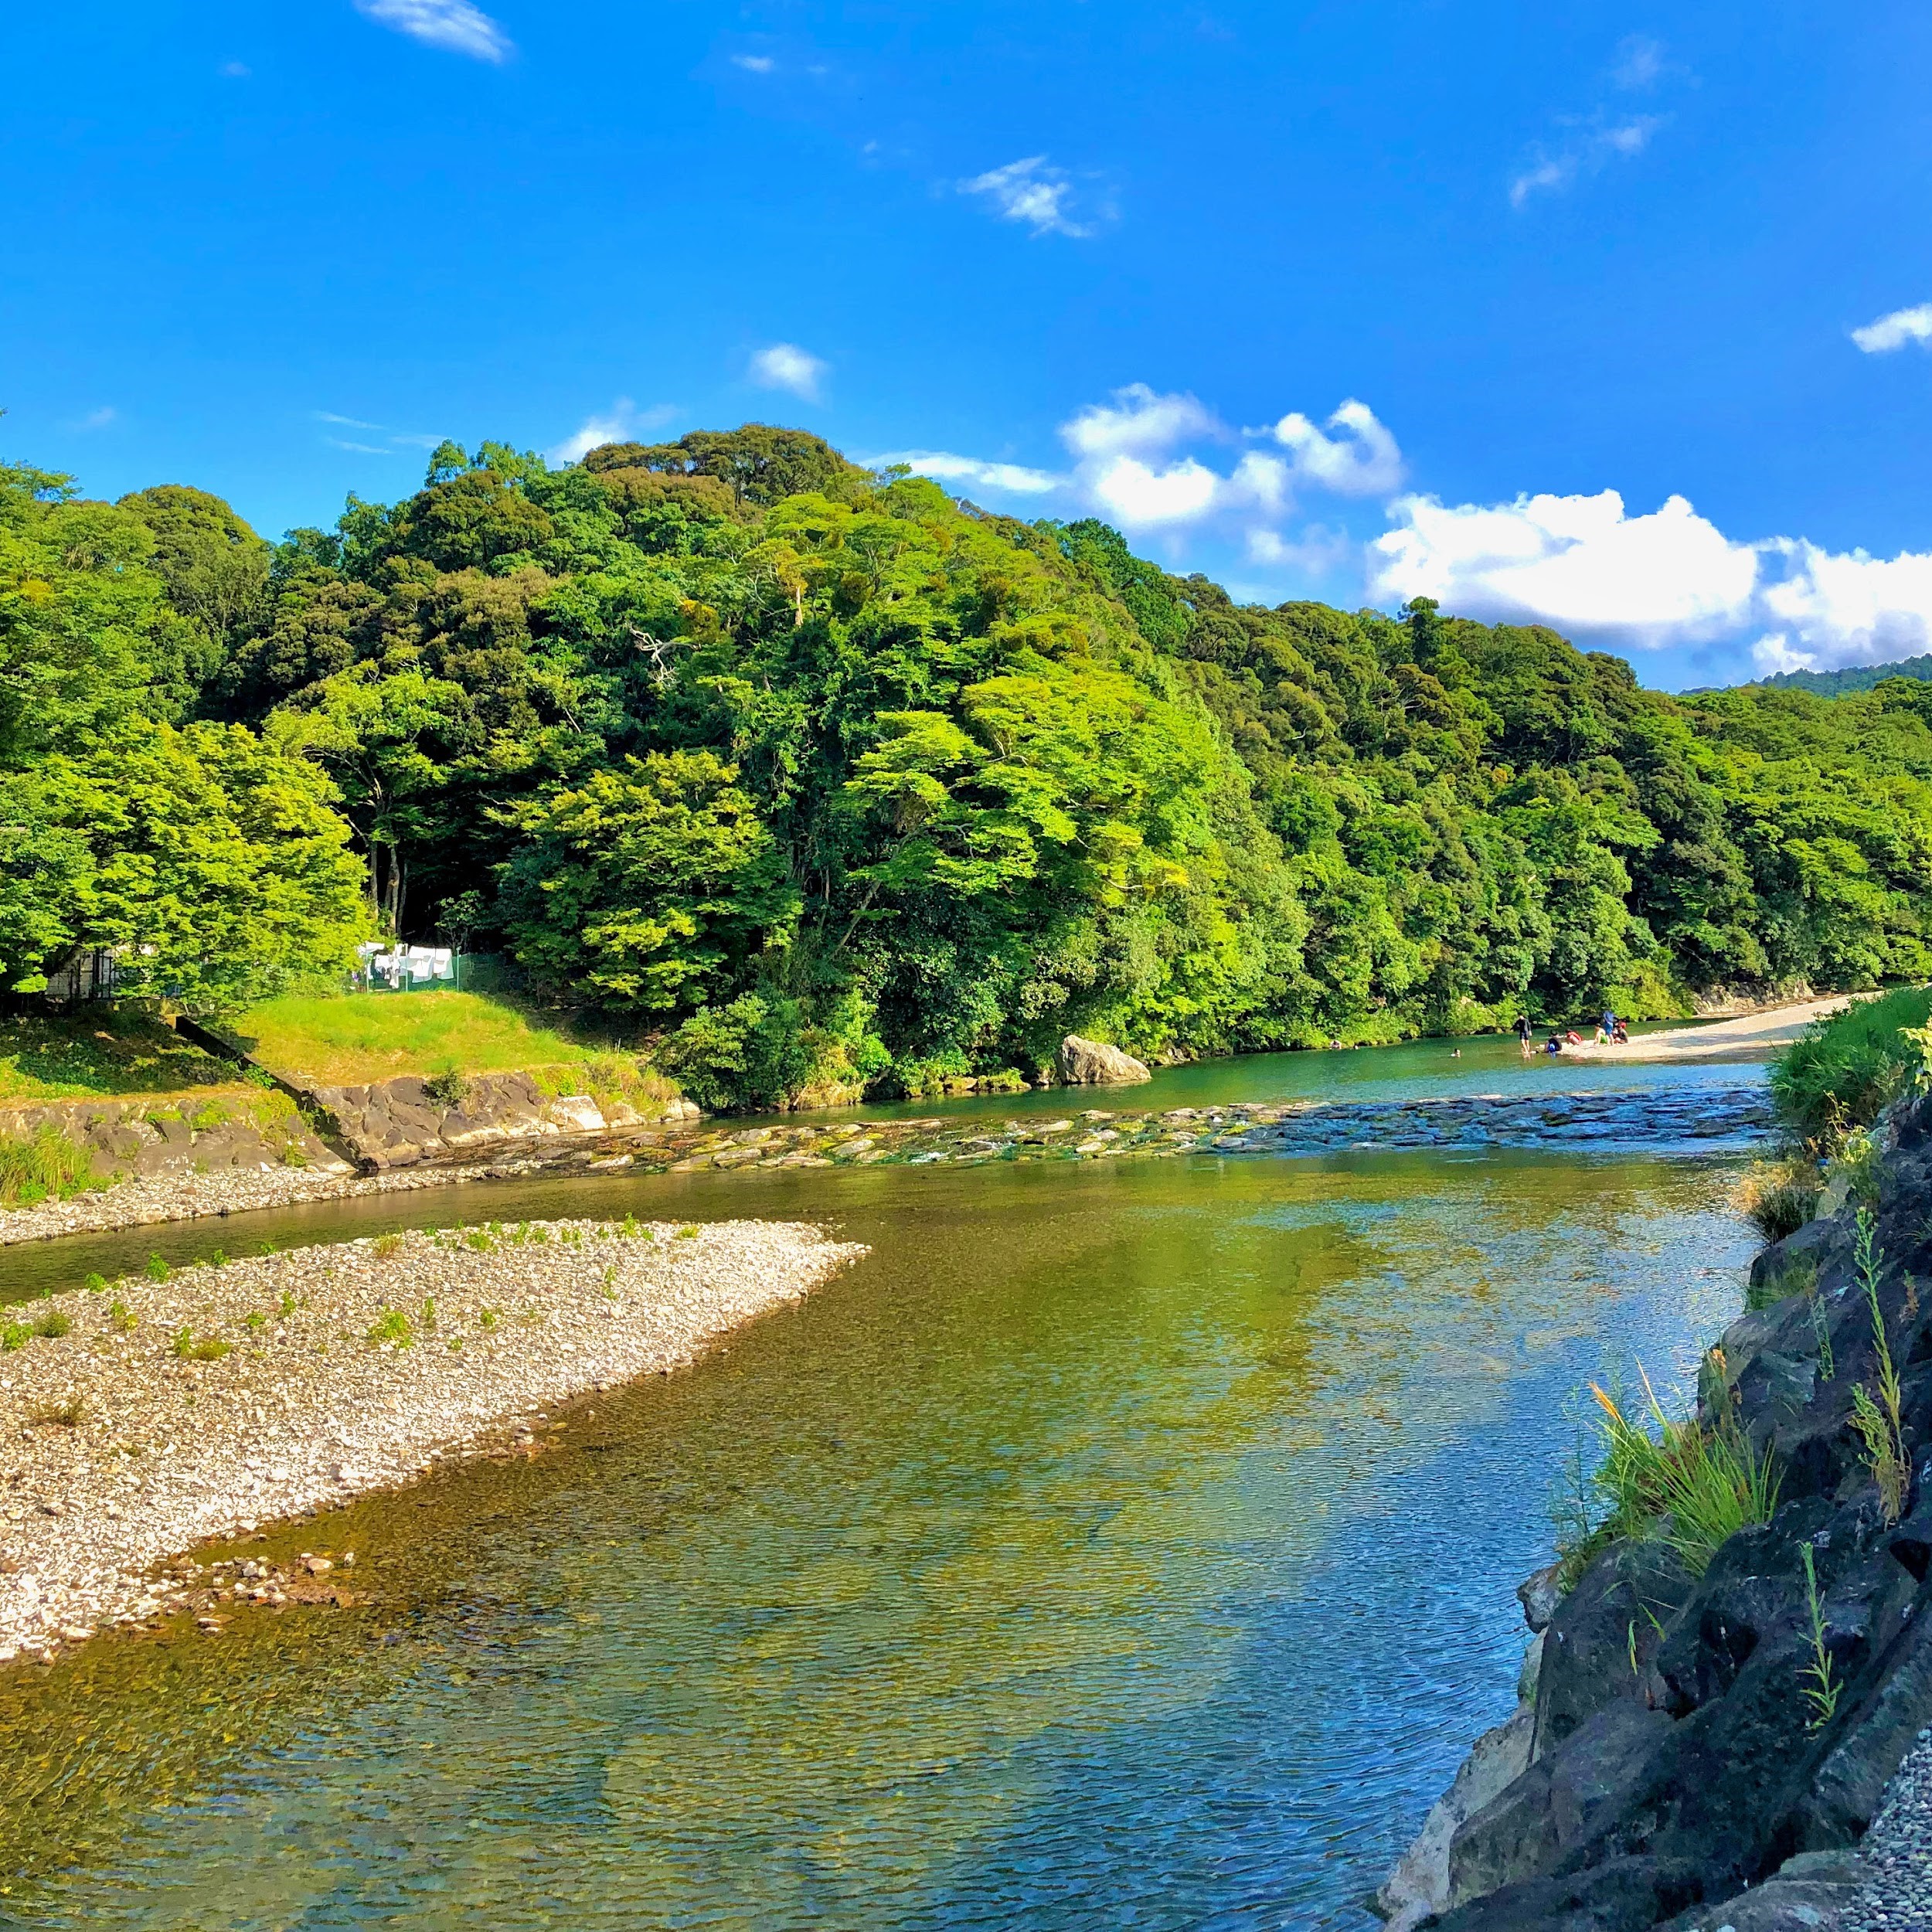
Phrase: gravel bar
{"type": "Point", "coordinates": [158, 1198]}
{"type": "Point", "coordinates": [1896, 1895]}
{"type": "Point", "coordinates": [147, 1416]}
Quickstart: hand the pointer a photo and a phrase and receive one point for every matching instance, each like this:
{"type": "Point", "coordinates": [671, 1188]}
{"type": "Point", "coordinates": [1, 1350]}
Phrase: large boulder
{"type": "Point", "coordinates": [1092, 1062]}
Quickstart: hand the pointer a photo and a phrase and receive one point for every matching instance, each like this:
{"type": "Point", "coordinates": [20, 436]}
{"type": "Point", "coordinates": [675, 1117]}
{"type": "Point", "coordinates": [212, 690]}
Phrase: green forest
{"type": "Point", "coordinates": [811, 777]}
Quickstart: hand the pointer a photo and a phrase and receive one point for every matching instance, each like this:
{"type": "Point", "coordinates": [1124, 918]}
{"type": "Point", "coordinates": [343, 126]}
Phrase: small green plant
{"type": "Point", "coordinates": [689, 1233]}
{"type": "Point", "coordinates": [1821, 1685]}
{"type": "Point", "coordinates": [393, 1325]}
{"type": "Point", "coordinates": [96, 1284]}
{"type": "Point", "coordinates": [255, 1321]}
{"type": "Point", "coordinates": [630, 1228]}
{"type": "Point", "coordinates": [121, 1319]}
{"type": "Point", "coordinates": [386, 1245]}
{"type": "Point", "coordinates": [287, 1305]}
{"type": "Point", "coordinates": [15, 1334]}
{"type": "Point", "coordinates": [206, 1348]}
{"type": "Point", "coordinates": [1780, 1197]}
{"type": "Point", "coordinates": [1798, 1276]}
{"type": "Point", "coordinates": [46, 1164]}
{"type": "Point", "coordinates": [611, 1281]}
{"type": "Point", "coordinates": [1879, 1422]}
{"type": "Point", "coordinates": [219, 1259]}
{"type": "Point", "coordinates": [479, 1239]}
{"type": "Point", "coordinates": [488, 1320]}
{"type": "Point", "coordinates": [53, 1326]}
{"type": "Point", "coordinates": [157, 1269]}
{"type": "Point", "coordinates": [1690, 1487]}
{"type": "Point", "coordinates": [1821, 1333]}
{"type": "Point", "coordinates": [448, 1088]}
{"type": "Point", "coordinates": [456, 1345]}
{"type": "Point", "coordinates": [428, 1316]}
{"type": "Point", "coordinates": [69, 1414]}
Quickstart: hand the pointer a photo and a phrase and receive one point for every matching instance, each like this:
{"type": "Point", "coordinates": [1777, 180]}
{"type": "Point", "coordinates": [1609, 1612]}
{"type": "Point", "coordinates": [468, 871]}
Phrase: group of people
{"type": "Point", "coordinates": [1610, 1032]}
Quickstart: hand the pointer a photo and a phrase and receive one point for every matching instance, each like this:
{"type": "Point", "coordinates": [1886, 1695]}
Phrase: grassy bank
{"type": "Point", "coordinates": [1846, 1067]}
{"type": "Point", "coordinates": [100, 1055]}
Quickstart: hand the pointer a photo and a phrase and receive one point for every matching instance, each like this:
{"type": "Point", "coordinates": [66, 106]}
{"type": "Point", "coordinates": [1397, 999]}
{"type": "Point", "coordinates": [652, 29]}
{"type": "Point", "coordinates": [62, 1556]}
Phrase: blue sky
{"type": "Point", "coordinates": [1578, 314]}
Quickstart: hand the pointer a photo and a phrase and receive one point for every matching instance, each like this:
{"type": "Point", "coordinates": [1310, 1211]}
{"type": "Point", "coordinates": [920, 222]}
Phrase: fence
{"type": "Point", "coordinates": [421, 969]}
{"type": "Point", "coordinates": [89, 975]}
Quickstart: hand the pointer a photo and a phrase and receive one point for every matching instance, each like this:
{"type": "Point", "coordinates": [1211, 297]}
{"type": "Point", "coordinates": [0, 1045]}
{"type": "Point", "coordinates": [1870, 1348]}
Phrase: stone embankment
{"type": "Point", "coordinates": [1710, 1117]}
{"type": "Point", "coordinates": [1683, 1756]}
{"type": "Point", "coordinates": [151, 1415]}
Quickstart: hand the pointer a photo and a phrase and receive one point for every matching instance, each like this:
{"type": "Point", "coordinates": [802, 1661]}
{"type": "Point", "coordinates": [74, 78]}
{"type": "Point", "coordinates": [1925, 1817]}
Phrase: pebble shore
{"type": "Point", "coordinates": [1897, 1853]}
{"type": "Point", "coordinates": [155, 1199]}
{"type": "Point", "coordinates": [150, 1415]}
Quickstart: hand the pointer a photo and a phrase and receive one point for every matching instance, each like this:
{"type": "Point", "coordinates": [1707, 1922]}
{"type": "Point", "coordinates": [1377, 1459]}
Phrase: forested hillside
{"type": "Point", "coordinates": [822, 776]}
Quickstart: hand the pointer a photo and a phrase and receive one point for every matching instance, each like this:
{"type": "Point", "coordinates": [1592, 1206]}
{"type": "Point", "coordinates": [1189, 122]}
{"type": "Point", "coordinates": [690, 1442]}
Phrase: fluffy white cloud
{"type": "Point", "coordinates": [454, 25]}
{"type": "Point", "coordinates": [1032, 191]}
{"type": "Point", "coordinates": [1894, 331]}
{"type": "Point", "coordinates": [624, 419]}
{"type": "Point", "coordinates": [754, 62]}
{"type": "Point", "coordinates": [785, 365]}
{"type": "Point", "coordinates": [1846, 607]}
{"type": "Point", "coordinates": [1139, 420]}
{"type": "Point", "coordinates": [943, 467]}
{"type": "Point", "coordinates": [1580, 563]}
{"type": "Point", "coordinates": [1138, 495]}
{"type": "Point", "coordinates": [1362, 461]}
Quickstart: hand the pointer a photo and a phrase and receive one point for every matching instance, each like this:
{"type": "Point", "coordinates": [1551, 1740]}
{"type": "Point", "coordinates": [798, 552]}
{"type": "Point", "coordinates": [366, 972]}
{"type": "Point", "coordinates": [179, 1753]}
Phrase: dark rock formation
{"type": "Point", "coordinates": [1677, 1776]}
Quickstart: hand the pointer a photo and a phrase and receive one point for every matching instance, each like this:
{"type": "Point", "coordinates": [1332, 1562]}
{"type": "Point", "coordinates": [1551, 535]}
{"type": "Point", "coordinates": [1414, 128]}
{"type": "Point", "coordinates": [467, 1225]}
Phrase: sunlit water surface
{"type": "Point", "coordinates": [1118, 1545]}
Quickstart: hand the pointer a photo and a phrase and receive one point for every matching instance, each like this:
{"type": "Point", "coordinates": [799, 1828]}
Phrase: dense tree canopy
{"type": "Point", "coordinates": [759, 747]}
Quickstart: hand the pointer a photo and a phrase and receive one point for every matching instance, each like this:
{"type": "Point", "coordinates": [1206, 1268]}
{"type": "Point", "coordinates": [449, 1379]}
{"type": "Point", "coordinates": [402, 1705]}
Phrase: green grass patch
{"type": "Point", "coordinates": [45, 1163]}
{"type": "Point", "coordinates": [1838, 1074]}
{"type": "Point", "coordinates": [350, 1038]}
{"type": "Point", "coordinates": [99, 1055]}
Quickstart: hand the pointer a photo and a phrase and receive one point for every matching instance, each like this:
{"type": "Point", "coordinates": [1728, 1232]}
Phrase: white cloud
{"type": "Point", "coordinates": [1847, 607]}
{"type": "Point", "coordinates": [1587, 151]}
{"type": "Point", "coordinates": [943, 467]}
{"type": "Point", "coordinates": [454, 25]}
{"type": "Point", "coordinates": [102, 418]}
{"type": "Point", "coordinates": [1578, 564]}
{"type": "Point", "coordinates": [1361, 461]}
{"type": "Point", "coordinates": [1641, 63]}
{"type": "Point", "coordinates": [232, 70]}
{"type": "Point", "coordinates": [1894, 331]}
{"type": "Point", "coordinates": [1138, 495]}
{"type": "Point", "coordinates": [785, 365]}
{"type": "Point", "coordinates": [1032, 191]}
{"type": "Point", "coordinates": [397, 438]}
{"type": "Point", "coordinates": [358, 449]}
{"type": "Point", "coordinates": [1139, 420]}
{"type": "Point", "coordinates": [622, 421]}
{"type": "Point", "coordinates": [754, 62]}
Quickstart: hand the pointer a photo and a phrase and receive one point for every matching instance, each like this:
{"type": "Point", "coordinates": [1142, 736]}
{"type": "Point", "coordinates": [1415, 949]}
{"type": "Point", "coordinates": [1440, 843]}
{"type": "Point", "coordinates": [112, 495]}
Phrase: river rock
{"type": "Point", "coordinates": [1092, 1062]}
{"type": "Point", "coordinates": [1539, 1595]}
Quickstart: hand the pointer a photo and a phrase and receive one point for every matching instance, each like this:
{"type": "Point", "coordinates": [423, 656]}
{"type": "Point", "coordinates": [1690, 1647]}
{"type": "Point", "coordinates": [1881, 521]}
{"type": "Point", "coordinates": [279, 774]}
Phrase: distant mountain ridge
{"type": "Point", "coordinates": [1856, 677]}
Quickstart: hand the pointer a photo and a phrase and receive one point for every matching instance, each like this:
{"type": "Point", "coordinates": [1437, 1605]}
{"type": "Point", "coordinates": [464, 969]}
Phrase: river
{"type": "Point", "coordinates": [1119, 1545]}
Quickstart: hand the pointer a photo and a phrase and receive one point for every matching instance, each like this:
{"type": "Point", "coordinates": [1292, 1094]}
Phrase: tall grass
{"type": "Point", "coordinates": [1838, 1074]}
{"type": "Point", "coordinates": [1878, 1421]}
{"type": "Point", "coordinates": [1687, 1487]}
{"type": "Point", "coordinates": [46, 1163]}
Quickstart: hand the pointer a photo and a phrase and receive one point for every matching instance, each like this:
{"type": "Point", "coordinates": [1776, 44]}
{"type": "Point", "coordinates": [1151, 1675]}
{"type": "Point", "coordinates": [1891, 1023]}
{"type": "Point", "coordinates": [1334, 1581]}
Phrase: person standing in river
{"type": "Point", "coordinates": [1525, 1033]}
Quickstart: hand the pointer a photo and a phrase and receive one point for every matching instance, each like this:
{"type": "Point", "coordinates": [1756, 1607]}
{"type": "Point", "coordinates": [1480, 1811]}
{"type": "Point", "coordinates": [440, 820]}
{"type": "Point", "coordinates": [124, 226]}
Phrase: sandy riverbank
{"type": "Point", "coordinates": [1750, 1033]}
{"type": "Point", "coordinates": [167, 1412]}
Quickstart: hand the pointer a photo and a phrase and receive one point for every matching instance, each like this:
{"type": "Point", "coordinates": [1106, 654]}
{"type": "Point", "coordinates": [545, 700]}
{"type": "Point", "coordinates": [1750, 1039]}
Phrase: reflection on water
{"type": "Point", "coordinates": [1122, 1546]}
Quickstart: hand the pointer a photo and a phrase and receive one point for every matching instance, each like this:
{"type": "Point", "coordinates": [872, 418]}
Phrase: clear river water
{"type": "Point", "coordinates": [1125, 1545]}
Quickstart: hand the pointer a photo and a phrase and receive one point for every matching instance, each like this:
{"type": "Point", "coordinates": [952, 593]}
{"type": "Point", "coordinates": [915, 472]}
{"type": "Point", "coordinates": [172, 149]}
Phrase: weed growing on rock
{"type": "Point", "coordinates": [96, 1284]}
{"type": "Point", "coordinates": [1879, 1423]}
{"type": "Point", "coordinates": [1822, 1333]}
{"type": "Point", "coordinates": [689, 1233]}
{"type": "Point", "coordinates": [428, 1316]}
{"type": "Point", "coordinates": [47, 1164]}
{"type": "Point", "coordinates": [611, 1281]}
{"type": "Point", "coordinates": [208, 1349]}
{"type": "Point", "coordinates": [479, 1239]}
{"type": "Point", "coordinates": [255, 1321]}
{"type": "Point", "coordinates": [1692, 1487]}
{"type": "Point", "coordinates": [1779, 1198]}
{"type": "Point", "coordinates": [1798, 1275]}
{"type": "Point", "coordinates": [488, 1320]}
{"type": "Point", "coordinates": [288, 1305]}
{"type": "Point", "coordinates": [392, 1326]}
{"type": "Point", "coordinates": [630, 1229]}
{"type": "Point", "coordinates": [121, 1318]}
{"type": "Point", "coordinates": [69, 1414]}
{"type": "Point", "coordinates": [53, 1326]}
{"type": "Point", "coordinates": [15, 1334]}
{"type": "Point", "coordinates": [386, 1245]}
{"type": "Point", "coordinates": [157, 1269]}
{"type": "Point", "coordinates": [1822, 1686]}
